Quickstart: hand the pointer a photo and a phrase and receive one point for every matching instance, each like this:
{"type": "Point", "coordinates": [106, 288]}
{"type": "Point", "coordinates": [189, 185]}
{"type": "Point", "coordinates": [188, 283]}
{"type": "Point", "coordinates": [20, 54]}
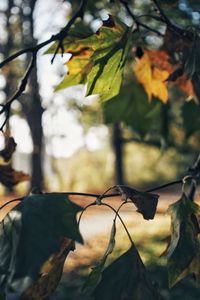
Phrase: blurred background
{"type": "Point", "coordinates": [69, 142]}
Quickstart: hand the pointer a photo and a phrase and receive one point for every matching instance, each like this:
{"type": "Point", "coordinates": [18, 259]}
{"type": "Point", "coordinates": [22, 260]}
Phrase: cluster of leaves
{"type": "Point", "coordinates": [34, 246]}
{"type": "Point", "coordinates": [99, 60]}
{"type": "Point", "coordinates": [37, 235]}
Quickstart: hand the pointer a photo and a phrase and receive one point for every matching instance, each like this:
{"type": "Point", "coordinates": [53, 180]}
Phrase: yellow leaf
{"type": "Point", "coordinates": [151, 77]}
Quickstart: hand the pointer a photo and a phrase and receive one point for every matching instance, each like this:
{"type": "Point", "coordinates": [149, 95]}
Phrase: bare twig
{"type": "Point", "coordinates": [136, 21]}
{"type": "Point", "coordinates": [34, 50]}
{"type": "Point", "coordinates": [19, 91]}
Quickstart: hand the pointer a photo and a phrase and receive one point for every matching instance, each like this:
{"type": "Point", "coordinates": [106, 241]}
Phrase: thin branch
{"type": "Point", "coordinates": [121, 220]}
{"type": "Point", "coordinates": [63, 33]}
{"type": "Point", "coordinates": [103, 196]}
{"type": "Point", "coordinates": [19, 91]}
{"type": "Point", "coordinates": [168, 22]}
{"type": "Point", "coordinates": [11, 201]}
{"type": "Point", "coordinates": [57, 37]}
{"type": "Point", "coordinates": [34, 50]}
{"type": "Point", "coordinates": [136, 21]}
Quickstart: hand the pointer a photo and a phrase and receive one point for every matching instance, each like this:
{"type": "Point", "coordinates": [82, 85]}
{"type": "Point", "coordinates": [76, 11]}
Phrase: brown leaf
{"type": "Point", "coordinates": [146, 203]}
{"type": "Point", "coordinates": [51, 273]}
{"type": "Point", "coordinates": [10, 177]}
{"type": "Point", "coordinates": [10, 147]}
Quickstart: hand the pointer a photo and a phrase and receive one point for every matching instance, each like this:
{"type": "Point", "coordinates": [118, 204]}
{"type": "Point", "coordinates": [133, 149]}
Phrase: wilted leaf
{"type": "Point", "coordinates": [9, 148]}
{"type": "Point", "coordinates": [126, 279]}
{"type": "Point", "coordinates": [50, 274]}
{"type": "Point", "coordinates": [98, 59]}
{"type": "Point", "coordinates": [132, 107]}
{"type": "Point", "coordinates": [96, 273]}
{"type": "Point", "coordinates": [191, 117]}
{"type": "Point", "coordinates": [146, 203]}
{"type": "Point", "coordinates": [184, 245]}
{"type": "Point", "coordinates": [10, 177]}
{"type": "Point", "coordinates": [31, 233]}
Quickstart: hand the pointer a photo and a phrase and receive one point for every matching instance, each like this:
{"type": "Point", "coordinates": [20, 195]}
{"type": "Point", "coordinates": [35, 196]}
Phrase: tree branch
{"type": "Point", "coordinates": [136, 21]}
{"type": "Point", "coordinates": [34, 50]}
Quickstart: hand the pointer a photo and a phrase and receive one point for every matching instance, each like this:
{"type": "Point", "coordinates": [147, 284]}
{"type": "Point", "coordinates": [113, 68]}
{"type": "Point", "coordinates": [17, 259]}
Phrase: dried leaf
{"type": "Point", "coordinates": [35, 237]}
{"type": "Point", "coordinates": [10, 147]}
{"type": "Point", "coordinates": [10, 177]}
{"type": "Point", "coordinates": [146, 203]}
{"type": "Point", "coordinates": [184, 245]}
{"type": "Point", "coordinates": [50, 274]}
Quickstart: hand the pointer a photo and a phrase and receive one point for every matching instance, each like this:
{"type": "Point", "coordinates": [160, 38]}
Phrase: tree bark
{"type": "Point", "coordinates": [118, 150]}
{"type": "Point", "coordinates": [32, 107]}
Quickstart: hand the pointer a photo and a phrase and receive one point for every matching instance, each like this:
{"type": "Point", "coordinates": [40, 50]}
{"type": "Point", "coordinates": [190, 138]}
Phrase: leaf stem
{"type": "Point", "coordinates": [121, 220]}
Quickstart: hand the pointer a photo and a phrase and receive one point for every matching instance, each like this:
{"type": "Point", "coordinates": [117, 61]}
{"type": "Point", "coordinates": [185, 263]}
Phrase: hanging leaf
{"type": "Point", "coordinates": [132, 107]}
{"type": "Point", "coordinates": [98, 59]}
{"type": "Point", "coordinates": [9, 148]}
{"type": "Point", "coordinates": [191, 117]}
{"type": "Point", "coordinates": [152, 77]}
{"type": "Point", "coordinates": [50, 274]}
{"type": "Point", "coordinates": [10, 177]}
{"type": "Point", "coordinates": [146, 203]}
{"type": "Point", "coordinates": [96, 273]}
{"type": "Point", "coordinates": [184, 246]}
{"type": "Point", "coordinates": [126, 279]}
{"type": "Point", "coordinates": [30, 234]}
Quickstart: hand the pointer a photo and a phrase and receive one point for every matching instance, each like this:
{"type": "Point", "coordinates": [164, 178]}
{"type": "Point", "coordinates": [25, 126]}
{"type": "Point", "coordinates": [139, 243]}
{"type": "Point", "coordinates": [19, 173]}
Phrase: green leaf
{"type": "Point", "coordinates": [96, 273]}
{"type": "Point", "coordinates": [146, 203]}
{"type": "Point", "coordinates": [184, 245]}
{"type": "Point", "coordinates": [98, 59]}
{"type": "Point", "coordinates": [191, 117]}
{"type": "Point", "coordinates": [32, 232]}
{"type": "Point", "coordinates": [125, 279]}
{"type": "Point", "coordinates": [132, 107]}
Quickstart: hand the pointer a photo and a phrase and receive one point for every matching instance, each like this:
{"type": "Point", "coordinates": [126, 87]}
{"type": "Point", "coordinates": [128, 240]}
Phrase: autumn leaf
{"type": "Point", "coordinates": [97, 59]}
{"type": "Point", "coordinates": [35, 238]}
{"type": "Point", "coordinates": [183, 249]}
{"type": "Point", "coordinates": [146, 203]}
{"type": "Point", "coordinates": [151, 77]}
{"type": "Point", "coordinates": [10, 177]}
{"type": "Point", "coordinates": [50, 273]}
{"type": "Point", "coordinates": [9, 148]}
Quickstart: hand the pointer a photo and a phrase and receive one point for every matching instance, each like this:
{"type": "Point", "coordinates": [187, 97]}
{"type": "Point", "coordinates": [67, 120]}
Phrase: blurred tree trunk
{"type": "Point", "coordinates": [9, 73]}
{"type": "Point", "coordinates": [118, 150]}
{"type": "Point", "coordinates": [32, 106]}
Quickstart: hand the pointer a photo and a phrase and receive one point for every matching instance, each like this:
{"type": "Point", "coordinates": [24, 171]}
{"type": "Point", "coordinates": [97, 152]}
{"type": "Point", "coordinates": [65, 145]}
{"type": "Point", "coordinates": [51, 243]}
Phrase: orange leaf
{"type": "Point", "coordinates": [152, 77]}
{"type": "Point", "coordinates": [10, 177]}
{"type": "Point", "coordinates": [9, 148]}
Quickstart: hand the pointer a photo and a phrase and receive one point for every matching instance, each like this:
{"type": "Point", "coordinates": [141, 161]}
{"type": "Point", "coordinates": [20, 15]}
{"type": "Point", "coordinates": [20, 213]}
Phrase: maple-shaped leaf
{"type": "Point", "coordinates": [184, 246]}
{"type": "Point", "coordinates": [126, 279]}
{"type": "Point", "coordinates": [98, 59]}
{"type": "Point", "coordinates": [151, 77]}
{"type": "Point", "coordinates": [10, 177]}
{"type": "Point", "coordinates": [31, 240]}
{"type": "Point", "coordinates": [154, 69]}
{"type": "Point", "coordinates": [146, 203]}
{"type": "Point", "coordinates": [96, 273]}
{"type": "Point", "coordinates": [9, 148]}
